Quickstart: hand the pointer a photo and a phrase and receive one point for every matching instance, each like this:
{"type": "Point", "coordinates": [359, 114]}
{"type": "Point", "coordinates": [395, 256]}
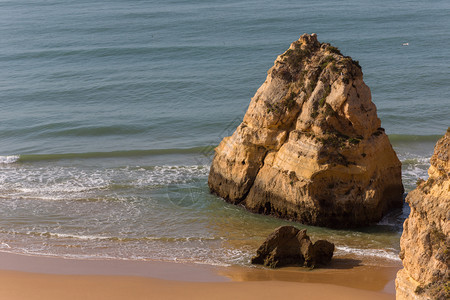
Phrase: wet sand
{"type": "Point", "coordinates": [30, 277]}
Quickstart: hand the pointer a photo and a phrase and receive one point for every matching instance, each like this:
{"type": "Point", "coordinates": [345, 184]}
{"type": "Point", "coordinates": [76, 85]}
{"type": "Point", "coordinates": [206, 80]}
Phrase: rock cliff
{"type": "Point", "coordinates": [425, 242]}
{"type": "Point", "coordinates": [310, 147]}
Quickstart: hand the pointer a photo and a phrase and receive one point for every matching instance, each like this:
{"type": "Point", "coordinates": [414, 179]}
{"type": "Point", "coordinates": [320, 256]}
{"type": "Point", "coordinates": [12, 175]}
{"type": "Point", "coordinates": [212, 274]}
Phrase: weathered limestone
{"type": "Point", "coordinates": [289, 246]}
{"type": "Point", "coordinates": [425, 242]}
{"type": "Point", "coordinates": [310, 147]}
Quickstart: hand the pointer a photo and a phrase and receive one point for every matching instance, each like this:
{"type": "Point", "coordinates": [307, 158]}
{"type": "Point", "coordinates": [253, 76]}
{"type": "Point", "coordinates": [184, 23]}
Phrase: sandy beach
{"type": "Point", "coordinates": [30, 277]}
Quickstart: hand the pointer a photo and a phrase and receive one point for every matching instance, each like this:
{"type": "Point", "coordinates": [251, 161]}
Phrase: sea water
{"type": "Point", "coordinates": [110, 111]}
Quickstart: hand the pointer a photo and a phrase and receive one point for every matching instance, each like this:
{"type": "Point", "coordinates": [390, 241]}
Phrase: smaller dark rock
{"type": "Point", "coordinates": [323, 252]}
{"type": "Point", "coordinates": [289, 246]}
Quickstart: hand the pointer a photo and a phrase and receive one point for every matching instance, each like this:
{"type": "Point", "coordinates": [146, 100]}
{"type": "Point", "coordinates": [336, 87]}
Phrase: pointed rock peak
{"type": "Point", "coordinates": [312, 143]}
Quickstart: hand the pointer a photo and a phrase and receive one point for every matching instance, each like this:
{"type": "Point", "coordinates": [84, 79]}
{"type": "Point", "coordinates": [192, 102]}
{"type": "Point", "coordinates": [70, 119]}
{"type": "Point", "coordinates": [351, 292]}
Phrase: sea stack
{"type": "Point", "coordinates": [425, 241]}
{"type": "Point", "coordinates": [310, 147]}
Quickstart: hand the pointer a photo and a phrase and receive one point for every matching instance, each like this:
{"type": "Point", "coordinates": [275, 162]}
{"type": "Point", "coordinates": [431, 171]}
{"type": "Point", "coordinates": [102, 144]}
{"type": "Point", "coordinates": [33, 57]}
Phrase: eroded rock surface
{"type": "Point", "coordinates": [289, 246]}
{"type": "Point", "coordinates": [310, 147]}
{"type": "Point", "coordinates": [425, 241]}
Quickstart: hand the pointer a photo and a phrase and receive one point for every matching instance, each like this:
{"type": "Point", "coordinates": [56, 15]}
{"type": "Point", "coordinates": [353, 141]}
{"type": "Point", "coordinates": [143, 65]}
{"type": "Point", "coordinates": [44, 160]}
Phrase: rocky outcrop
{"type": "Point", "coordinates": [310, 147]}
{"type": "Point", "coordinates": [289, 246]}
{"type": "Point", "coordinates": [425, 241]}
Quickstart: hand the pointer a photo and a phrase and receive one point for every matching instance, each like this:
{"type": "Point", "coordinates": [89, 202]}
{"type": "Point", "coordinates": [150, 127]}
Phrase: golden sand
{"type": "Point", "coordinates": [28, 277]}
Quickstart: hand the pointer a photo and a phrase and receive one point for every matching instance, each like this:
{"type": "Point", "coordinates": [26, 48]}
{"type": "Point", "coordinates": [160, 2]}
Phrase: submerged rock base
{"type": "Point", "coordinates": [310, 147]}
{"type": "Point", "coordinates": [425, 241]}
{"type": "Point", "coordinates": [289, 246]}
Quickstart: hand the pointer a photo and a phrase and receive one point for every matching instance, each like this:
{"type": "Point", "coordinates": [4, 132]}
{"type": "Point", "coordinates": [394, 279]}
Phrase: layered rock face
{"type": "Point", "coordinates": [289, 246]}
{"type": "Point", "coordinates": [425, 241]}
{"type": "Point", "coordinates": [310, 147]}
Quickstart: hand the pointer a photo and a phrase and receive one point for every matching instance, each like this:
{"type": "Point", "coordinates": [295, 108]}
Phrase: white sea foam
{"type": "Point", "coordinates": [9, 159]}
{"type": "Point", "coordinates": [62, 183]}
{"type": "Point", "coordinates": [5, 245]}
{"type": "Point", "coordinates": [75, 236]}
{"type": "Point", "coordinates": [37, 252]}
{"type": "Point", "coordinates": [389, 253]}
{"type": "Point", "coordinates": [414, 166]}
{"type": "Point", "coordinates": [164, 175]}
{"type": "Point", "coordinates": [211, 263]}
{"type": "Point", "coordinates": [96, 256]}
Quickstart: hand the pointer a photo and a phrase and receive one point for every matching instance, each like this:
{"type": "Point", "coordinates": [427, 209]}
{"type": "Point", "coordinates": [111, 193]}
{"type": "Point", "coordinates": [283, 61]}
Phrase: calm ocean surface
{"type": "Point", "coordinates": [109, 111]}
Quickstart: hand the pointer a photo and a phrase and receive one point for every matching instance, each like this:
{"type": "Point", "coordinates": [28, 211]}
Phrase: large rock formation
{"type": "Point", "coordinates": [310, 147]}
{"type": "Point", "coordinates": [425, 242]}
{"type": "Point", "coordinates": [289, 246]}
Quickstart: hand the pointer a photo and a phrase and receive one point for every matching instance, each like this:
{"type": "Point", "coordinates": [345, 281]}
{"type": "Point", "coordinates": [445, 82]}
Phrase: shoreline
{"type": "Point", "coordinates": [55, 278]}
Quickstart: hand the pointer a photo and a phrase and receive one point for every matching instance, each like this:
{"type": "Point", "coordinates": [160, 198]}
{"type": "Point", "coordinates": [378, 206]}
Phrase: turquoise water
{"type": "Point", "coordinates": [109, 112]}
